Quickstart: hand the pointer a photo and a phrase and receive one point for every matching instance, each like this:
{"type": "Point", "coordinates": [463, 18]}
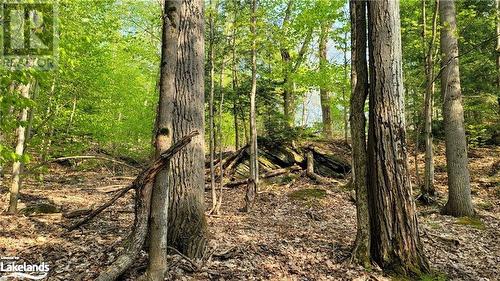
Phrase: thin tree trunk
{"type": "Point", "coordinates": [359, 93]}
{"type": "Point", "coordinates": [417, 144]}
{"type": "Point", "coordinates": [235, 84]}
{"type": "Point", "coordinates": [326, 110]}
{"type": "Point", "coordinates": [221, 135]}
{"type": "Point", "coordinates": [211, 107]}
{"type": "Point", "coordinates": [24, 91]}
{"type": "Point", "coordinates": [428, 187]}
{"type": "Point", "coordinates": [459, 191]}
{"type": "Point", "coordinates": [497, 10]}
{"type": "Point", "coordinates": [344, 91]}
{"type": "Point", "coordinates": [305, 102]}
{"type": "Point", "coordinates": [187, 228]}
{"type": "Point", "coordinates": [46, 141]}
{"type": "Point", "coordinates": [395, 241]}
{"type": "Point", "coordinates": [254, 167]}
{"type": "Point", "coordinates": [159, 214]}
{"type": "Point", "coordinates": [245, 127]}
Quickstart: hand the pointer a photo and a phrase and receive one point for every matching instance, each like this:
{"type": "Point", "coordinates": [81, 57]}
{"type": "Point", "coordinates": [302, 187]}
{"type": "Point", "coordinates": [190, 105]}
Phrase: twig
{"type": "Point", "coordinates": [145, 177]}
{"type": "Point", "coordinates": [103, 207]}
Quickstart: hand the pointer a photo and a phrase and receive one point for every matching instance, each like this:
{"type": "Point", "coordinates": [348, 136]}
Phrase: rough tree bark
{"type": "Point", "coordinates": [187, 227]}
{"type": "Point", "coordinates": [428, 187]}
{"type": "Point", "coordinates": [459, 192]}
{"type": "Point", "coordinates": [24, 91]}
{"type": "Point", "coordinates": [158, 227]}
{"type": "Point", "coordinates": [254, 163]}
{"type": "Point", "coordinates": [326, 110]}
{"type": "Point", "coordinates": [359, 93]}
{"type": "Point", "coordinates": [395, 241]}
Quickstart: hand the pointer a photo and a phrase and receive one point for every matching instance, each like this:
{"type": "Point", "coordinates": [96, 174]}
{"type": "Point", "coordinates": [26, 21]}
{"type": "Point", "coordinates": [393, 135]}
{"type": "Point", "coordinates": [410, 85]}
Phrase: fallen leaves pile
{"type": "Point", "coordinates": [298, 230]}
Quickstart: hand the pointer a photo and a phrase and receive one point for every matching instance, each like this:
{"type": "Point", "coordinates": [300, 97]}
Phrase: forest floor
{"type": "Point", "coordinates": [298, 230]}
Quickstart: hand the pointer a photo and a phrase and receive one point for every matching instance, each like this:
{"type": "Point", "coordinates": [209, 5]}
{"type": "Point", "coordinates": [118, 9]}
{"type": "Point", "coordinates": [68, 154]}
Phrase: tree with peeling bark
{"type": "Point", "coordinates": [395, 241]}
{"type": "Point", "coordinates": [393, 236]}
{"type": "Point", "coordinates": [459, 191]}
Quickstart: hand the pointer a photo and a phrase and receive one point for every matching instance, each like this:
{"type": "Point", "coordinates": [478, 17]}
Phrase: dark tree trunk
{"type": "Point", "coordinates": [395, 241]}
{"type": "Point", "coordinates": [187, 227]}
{"type": "Point", "coordinates": [359, 80]}
{"type": "Point", "coordinates": [459, 192]}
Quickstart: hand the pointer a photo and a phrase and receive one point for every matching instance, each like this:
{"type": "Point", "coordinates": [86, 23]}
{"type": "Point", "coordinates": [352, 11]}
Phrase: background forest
{"type": "Point", "coordinates": [104, 91]}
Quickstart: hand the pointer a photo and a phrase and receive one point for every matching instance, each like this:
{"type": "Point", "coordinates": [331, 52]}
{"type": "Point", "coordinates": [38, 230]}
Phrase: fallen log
{"type": "Point", "coordinates": [331, 159]}
{"type": "Point", "coordinates": [270, 174]}
{"type": "Point", "coordinates": [84, 157]}
{"type": "Point", "coordinates": [310, 169]}
{"type": "Point", "coordinates": [143, 185]}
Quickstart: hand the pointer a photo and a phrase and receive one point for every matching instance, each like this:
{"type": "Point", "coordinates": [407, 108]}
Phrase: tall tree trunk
{"type": "Point", "coordinates": [211, 105]}
{"type": "Point", "coordinates": [395, 241]}
{"type": "Point", "coordinates": [497, 10]}
{"type": "Point", "coordinates": [288, 98]}
{"type": "Point", "coordinates": [459, 191]}
{"type": "Point", "coordinates": [187, 227]}
{"type": "Point", "coordinates": [326, 107]}
{"type": "Point", "coordinates": [344, 91]}
{"type": "Point", "coordinates": [428, 187]}
{"type": "Point", "coordinates": [235, 82]}
{"type": "Point", "coordinates": [24, 91]}
{"type": "Point", "coordinates": [221, 136]}
{"type": "Point", "coordinates": [254, 163]}
{"type": "Point", "coordinates": [159, 215]}
{"type": "Point", "coordinates": [359, 93]}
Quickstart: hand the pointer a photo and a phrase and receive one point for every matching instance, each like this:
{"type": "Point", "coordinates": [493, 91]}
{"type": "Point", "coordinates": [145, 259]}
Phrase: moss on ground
{"type": "Point", "coordinates": [305, 194]}
{"type": "Point", "coordinates": [472, 222]}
